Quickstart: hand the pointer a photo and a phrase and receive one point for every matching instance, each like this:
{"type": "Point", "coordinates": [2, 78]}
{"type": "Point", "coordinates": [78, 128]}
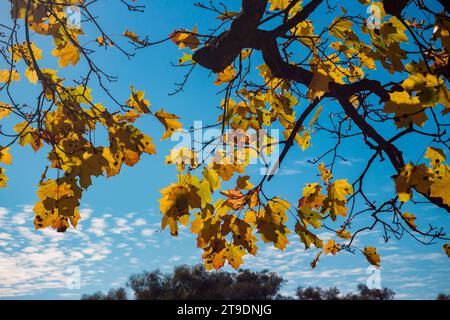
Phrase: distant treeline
{"type": "Point", "coordinates": [195, 283]}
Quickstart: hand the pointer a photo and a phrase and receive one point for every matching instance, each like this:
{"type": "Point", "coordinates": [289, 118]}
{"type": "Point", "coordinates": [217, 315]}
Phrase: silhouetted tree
{"type": "Point", "coordinates": [443, 296]}
{"type": "Point", "coordinates": [371, 294]}
{"type": "Point", "coordinates": [316, 293]}
{"type": "Point", "coordinates": [196, 283]}
{"type": "Point", "coordinates": [113, 294]}
{"type": "Point", "coordinates": [364, 293]}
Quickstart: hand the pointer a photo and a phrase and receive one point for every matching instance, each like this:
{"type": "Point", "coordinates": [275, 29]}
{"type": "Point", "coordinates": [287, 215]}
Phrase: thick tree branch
{"type": "Point", "coordinates": [223, 50]}
{"type": "Point", "coordinates": [395, 7]}
{"type": "Point", "coordinates": [244, 33]}
{"type": "Point", "coordinates": [299, 17]}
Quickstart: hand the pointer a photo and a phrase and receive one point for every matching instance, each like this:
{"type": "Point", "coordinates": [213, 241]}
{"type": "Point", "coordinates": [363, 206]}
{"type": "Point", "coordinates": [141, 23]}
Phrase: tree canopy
{"type": "Point", "coordinates": [379, 79]}
{"type": "Point", "coordinates": [195, 283]}
{"type": "Point", "coordinates": [188, 283]}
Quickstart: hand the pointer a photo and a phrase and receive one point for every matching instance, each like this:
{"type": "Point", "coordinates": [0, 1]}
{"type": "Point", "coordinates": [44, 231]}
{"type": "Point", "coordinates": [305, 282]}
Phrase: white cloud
{"type": "Point", "coordinates": [122, 226]}
{"type": "Point", "coordinates": [98, 226]}
{"type": "Point", "coordinates": [148, 232]}
{"type": "Point", "coordinates": [288, 172]}
{"type": "Point", "coordinates": [139, 222]}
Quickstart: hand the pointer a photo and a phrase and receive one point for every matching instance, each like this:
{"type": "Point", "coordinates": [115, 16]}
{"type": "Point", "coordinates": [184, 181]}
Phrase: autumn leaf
{"type": "Point", "coordinates": [440, 187]}
{"type": "Point", "coordinates": [307, 237]}
{"type": "Point", "coordinates": [234, 255]}
{"type": "Point", "coordinates": [278, 4]}
{"type": "Point", "coordinates": [31, 75]}
{"type": "Point", "coordinates": [331, 247]}
{"type": "Point", "coordinates": [225, 76]}
{"type": "Point", "coordinates": [319, 85]}
{"type": "Point", "coordinates": [407, 109]}
{"type": "Point", "coordinates": [446, 248]}
{"type": "Point", "coordinates": [186, 58]}
{"type": "Point", "coordinates": [69, 54]}
{"type": "Point", "coordinates": [169, 121]}
{"type": "Point", "coordinates": [344, 234]}
{"type": "Point", "coordinates": [410, 220]}
{"type": "Point", "coordinates": [340, 27]}
{"type": "Point", "coordinates": [102, 41]}
{"type": "Point", "coordinates": [3, 178]}
{"type": "Point", "coordinates": [436, 156]}
{"type": "Point", "coordinates": [212, 177]}
{"type": "Point", "coordinates": [243, 183]}
{"type": "Point", "coordinates": [418, 176]}
{"type": "Point", "coordinates": [5, 157]}
{"type": "Point", "coordinates": [326, 174]}
{"type": "Point", "coordinates": [316, 260]}
{"type": "Point", "coordinates": [138, 102]}
{"type": "Point", "coordinates": [6, 76]}
{"type": "Point", "coordinates": [184, 38]}
{"type": "Point", "coordinates": [340, 190]}
{"type": "Point", "coordinates": [5, 110]}
{"type": "Point", "coordinates": [372, 255]}
{"type": "Point", "coordinates": [135, 38]}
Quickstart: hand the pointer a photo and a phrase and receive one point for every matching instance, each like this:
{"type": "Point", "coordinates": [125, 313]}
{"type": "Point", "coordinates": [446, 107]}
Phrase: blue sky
{"type": "Point", "coordinates": [119, 231]}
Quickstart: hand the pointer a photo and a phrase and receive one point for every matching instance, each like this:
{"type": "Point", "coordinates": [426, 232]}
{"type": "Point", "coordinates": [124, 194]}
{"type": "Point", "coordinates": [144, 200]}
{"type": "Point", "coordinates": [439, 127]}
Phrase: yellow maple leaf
{"type": "Point", "coordinates": [310, 217]}
{"type": "Point", "coordinates": [278, 4]}
{"type": "Point", "coordinates": [325, 173]}
{"type": "Point", "coordinates": [316, 260]}
{"type": "Point", "coordinates": [135, 38]}
{"type": "Point", "coordinates": [104, 42]}
{"type": "Point", "coordinates": [32, 75]}
{"type": "Point", "coordinates": [138, 102]}
{"type": "Point", "coordinates": [340, 189]}
{"type": "Point", "coordinates": [331, 247]}
{"type": "Point", "coordinates": [340, 27]}
{"type": "Point", "coordinates": [446, 248]}
{"type": "Point", "coordinates": [436, 156]}
{"type": "Point", "coordinates": [184, 38]}
{"type": "Point", "coordinates": [212, 177]}
{"type": "Point", "coordinates": [225, 76]}
{"type": "Point", "coordinates": [169, 121]}
{"type": "Point", "coordinates": [5, 157]}
{"type": "Point", "coordinates": [372, 255]}
{"type": "Point", "coordinates": [7, 76]}
{"type": "Point", "coordinates": [3, 178]}
{"type": "Point", "coordinates": [5, 110]}
{"type": "Point", "coordinates": [407, 109]}
{"type": "Point", "coordinates": [68, 54]}
{"type": "Point", "coordinates": [344, 234]}
{"type": "Point", "coordinates": [410, 220]}
{"type": "Point", "coordinates": [186, 58]}
{"type": "Point", "coordinates": [440, 187]}
{"type": "Point", "coordinates": [234, 255]}
{"type": "Point", "coordinates": [307, 237]}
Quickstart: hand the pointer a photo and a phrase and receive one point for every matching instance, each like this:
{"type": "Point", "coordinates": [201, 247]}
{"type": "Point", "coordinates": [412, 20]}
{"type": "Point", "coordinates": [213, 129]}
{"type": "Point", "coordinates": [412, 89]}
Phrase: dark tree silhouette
{"type": "Point", "coordinates": [196, 283]}
{"type": "Point", "coordinates": [364, 293]}
{"type": "Point", "coordinates": [371, 294]}
{"type": "Point", "coordinates": [113, 294]}
{"type": "Point", "coordinates": [443, 296]}
{"type": "Point", "coordinates": [316, 293]}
